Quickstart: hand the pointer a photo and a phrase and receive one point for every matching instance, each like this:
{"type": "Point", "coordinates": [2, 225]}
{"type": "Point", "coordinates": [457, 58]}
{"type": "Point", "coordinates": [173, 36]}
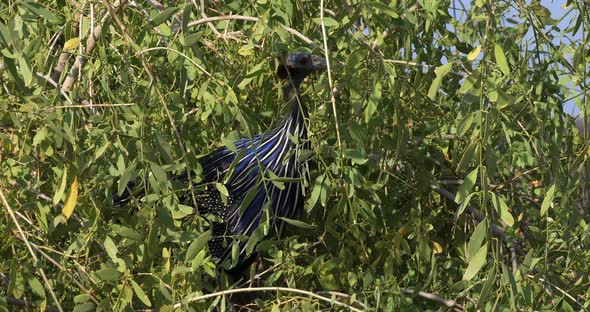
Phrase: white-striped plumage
{"type": "Point", "coordinates": [250, 168]}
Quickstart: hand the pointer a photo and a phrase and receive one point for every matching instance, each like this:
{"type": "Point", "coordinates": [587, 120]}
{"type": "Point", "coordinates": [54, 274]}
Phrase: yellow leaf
{"type": "Point", "coordinates": [68, 208]}
{"type": "Point", "coordinates": [437, 248]}
{"type": "Point", "coordinates": [520, 217]}
{"type": "Point", "coordinates": [474, 53]}
{"type": "Point", "coordinates": [72, 43]}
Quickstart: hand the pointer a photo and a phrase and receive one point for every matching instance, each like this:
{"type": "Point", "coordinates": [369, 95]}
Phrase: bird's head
{"type": "Point", "coordinates": [300, 65]}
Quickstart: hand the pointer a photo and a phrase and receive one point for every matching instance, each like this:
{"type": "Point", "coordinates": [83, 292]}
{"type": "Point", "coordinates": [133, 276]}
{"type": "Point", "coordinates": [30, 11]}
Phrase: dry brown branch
{"type": "Point", "coordinates": [90, 46]}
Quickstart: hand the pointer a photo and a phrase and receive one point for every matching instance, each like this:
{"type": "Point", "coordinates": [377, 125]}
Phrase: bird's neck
{"type": "Point", "coordinates": [294, 98]}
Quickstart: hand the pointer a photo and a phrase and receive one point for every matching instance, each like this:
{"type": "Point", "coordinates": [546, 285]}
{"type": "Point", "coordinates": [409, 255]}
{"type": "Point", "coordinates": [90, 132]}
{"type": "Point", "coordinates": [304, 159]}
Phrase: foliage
{"type": "Point", "coordinates": [448, 167]}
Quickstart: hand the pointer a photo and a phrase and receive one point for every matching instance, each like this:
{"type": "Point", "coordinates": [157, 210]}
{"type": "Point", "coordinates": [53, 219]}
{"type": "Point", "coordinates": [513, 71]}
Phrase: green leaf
{"type": "Point", "coordinates": [468, 83]}
{"type": "Point", "coordinates": [197, 245]}
{"type": "Point", "coordinates": [128, 175]}
{"type": "Point", "coordinates": [297, 223]}
{"type": "Point", "coordinates": [140, 294]}
{"type": "Point", "coordinates": [357, 156]}
{"type": "Point", "coordinates": [111, 248]}
{"type": "Point", "coordinates": [36, 286]}
{"type": "Point", "coordinates": [328, 21]}
{"type": "Point", "coordinates": [466, 186]}
{"type": "Point", "coordinates": [108, 274]}
{"type": "Point", "coordinates": [440, 72]}
{"type": "Point", "coordinates": [476, 263]}
{"type": "Point", "coordinates": [501, 60]}
{"type": "Point", "coordinates": [465, 124]}
{"type": "Point", "coordinates": [26, 70]}
{"type": "Point", "coordinates": [384, 8]}
{"type": "Point", "coordinates": [276, 180]}
{"type": "Point", "coordinates": [62, 187]}
{"type": "Point", "coordinates": [158, 172]}
{"type": "Point", "coordinates": [315, 192]}
{"type": "Point", "coordinates": [84, 307]}
{"type": "Point", "coordinates": [256, 236]}
{"type": "Point", "coordinates": [374, 100]}
{"type": "Point", "coordinates": [39, 10]}
{"type": "Point", "coordinates": [222, 189]}
{"type": "Point", "coordinates": [548, 200]}
{"type": "Point", "coordinates": [40, 136]}
{"type": "Point", "coordinates": [128, 233]}
{"type": "Point", "coordinates": [464, 205]}
{"type": "Point", "coordinates": [502, 209]}
{"type": "Point", "coordinates": [476, 239]}
{"type": "Point", "coordinates": [235, 253]}
{"type": "Point", "coordinates": [467, 157]}
{"type": "Point", "coordinates": [487, 286]}
{"type": "Point", "coordinates": [163, 16]}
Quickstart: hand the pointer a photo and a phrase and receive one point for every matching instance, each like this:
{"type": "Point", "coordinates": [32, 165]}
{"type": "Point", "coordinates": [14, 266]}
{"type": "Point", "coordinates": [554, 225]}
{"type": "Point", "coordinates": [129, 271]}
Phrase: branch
{"type": "Point", "coordinates": [259, 289]}
{"type": "Point", "coordinates": [61, 268]}
{"type": "Point", "coordinates": [546, 283]}
{"type": "Point", "coordinates": [496, 231]}
{"type": "Point", "coordinates": [252, 19]}
{"type": "Point", "coordinates": [90, 46]}
{"type": "Point", "coordinates": [339, 294]}
{"type": "Point", "coordinates": [329, 70]}
{"type": "Point", "coordinates": [448, 303]}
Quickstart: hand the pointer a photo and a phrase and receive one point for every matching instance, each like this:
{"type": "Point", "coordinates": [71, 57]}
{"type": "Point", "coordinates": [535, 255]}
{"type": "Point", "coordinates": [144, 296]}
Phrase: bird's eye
{"type": "Point", "coordinates": [302, 61]}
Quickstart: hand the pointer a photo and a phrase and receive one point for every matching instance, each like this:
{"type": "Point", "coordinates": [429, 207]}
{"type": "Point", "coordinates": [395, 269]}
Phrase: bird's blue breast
{"type": "Point", "coordinates": [250, 177]}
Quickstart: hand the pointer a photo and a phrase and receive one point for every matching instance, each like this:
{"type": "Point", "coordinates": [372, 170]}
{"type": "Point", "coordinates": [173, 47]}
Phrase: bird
{"type": "Point", "coordinates": [270, 155]}
{"type": "Point", "coordinates": [263, 173]}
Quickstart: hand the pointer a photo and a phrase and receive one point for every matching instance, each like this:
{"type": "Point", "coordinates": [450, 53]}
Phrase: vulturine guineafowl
{"type": "Point", "coordinates": [252, 167]}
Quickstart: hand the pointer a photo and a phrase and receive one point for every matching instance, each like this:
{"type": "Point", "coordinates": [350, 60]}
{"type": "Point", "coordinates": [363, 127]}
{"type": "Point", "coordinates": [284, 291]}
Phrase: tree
{"type": "Point", "coordinates": [445, 170]}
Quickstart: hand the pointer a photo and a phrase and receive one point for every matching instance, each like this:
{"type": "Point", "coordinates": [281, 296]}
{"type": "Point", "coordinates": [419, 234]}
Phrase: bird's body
{"type": "Point", "coordinates": [253, 167]}
{"type": "Point", "coordinates": [266, 155]}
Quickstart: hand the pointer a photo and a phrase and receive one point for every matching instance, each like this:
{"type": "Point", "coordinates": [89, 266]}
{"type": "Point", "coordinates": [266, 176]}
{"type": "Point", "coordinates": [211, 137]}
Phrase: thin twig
{"type": "Point", "coordinates": [433, 297]}
{"type": "Point", "coordinates": [339, 294]}
{"type": "Point", "coordinates": [565, 293]}
{"type": "Point", "coordinates": [252, 19]}
{"type": "Point", "coordinates": [332, 98]}
{"type": "Point", "coordinates": [92, 105]}
{"type": "Point", "coordinates": [53, 83]}
{"type": "Point", "coordinates": [496, 231]}
{"type": "Point", "coordinates": [407, 63]}
{"type": "Point", "coordinates": [31, 251]}
{"type": "Point", "coordinates": [262, 289]}
{"type": "Point", "coordinates": [177, 52]}
{"type": "Point", "coordinates": [61, 268]}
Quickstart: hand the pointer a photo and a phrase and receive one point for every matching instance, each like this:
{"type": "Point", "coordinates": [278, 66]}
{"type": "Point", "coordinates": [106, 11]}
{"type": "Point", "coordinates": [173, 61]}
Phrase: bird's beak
{"type": "Point", "coordinates": [318, 63]}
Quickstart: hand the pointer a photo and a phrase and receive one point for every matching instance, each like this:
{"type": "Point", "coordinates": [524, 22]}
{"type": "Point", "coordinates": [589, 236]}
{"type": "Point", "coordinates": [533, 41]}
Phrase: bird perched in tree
{"type": "Point", "coordinates": [255, 163]}
{"type": "Point", "coordinates": [264, 173]}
